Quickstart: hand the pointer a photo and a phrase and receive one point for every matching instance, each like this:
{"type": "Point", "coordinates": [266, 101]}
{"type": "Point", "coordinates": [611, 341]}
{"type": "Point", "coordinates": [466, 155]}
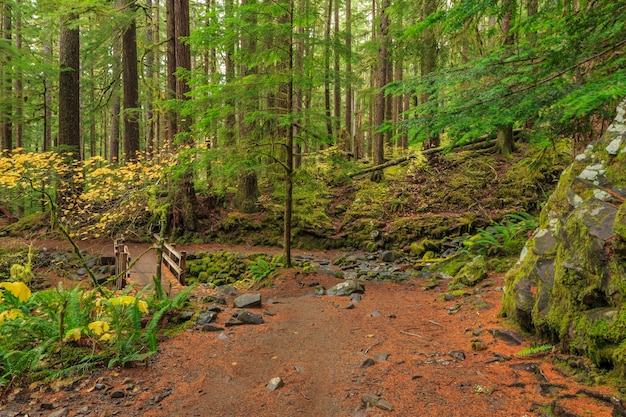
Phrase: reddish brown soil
{"type": "Point", "coordinates": [318, 347]}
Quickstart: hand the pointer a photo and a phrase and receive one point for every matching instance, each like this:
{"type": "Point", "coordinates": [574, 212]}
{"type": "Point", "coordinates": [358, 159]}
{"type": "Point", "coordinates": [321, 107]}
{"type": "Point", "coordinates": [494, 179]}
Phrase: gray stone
{"type": "Point", "coordinates": [211, 328]}
{"type": "Point", "coordinates": [374, 400]}
{"type": "Point", "coordinates": [367, 362]}
{"type": "Point", "coordinates": [545, 243]}
{"type": "Point", "coordinates": [81, 271]}
{"type": "Point", "coordinates": [205, 317]}
{"type": "Point", "coordinates": [382, 356]}
{"type": "Point", "coordinates": [244, 317]}
{"type": "Point", "coordinates": [388, 256]}
{"type": "Point", "coordinates": [274, 384]}
{"type": "Point", "coordinates": [355, 297]}
{"type": "Point", "coordinates": [118, 394]}
{"type": "Point", "coordinates": [248, 300]}
{"type": "Point", "coordinates": [457, 355]}
{"type": "Point", "coordinates": [614, 146]}
{"type": "Point", "coordinates": [346, 288]}
{"type": "Point", "coordinates": [508, 336]}
{"type": "Point", "coordinates": [62, 412]}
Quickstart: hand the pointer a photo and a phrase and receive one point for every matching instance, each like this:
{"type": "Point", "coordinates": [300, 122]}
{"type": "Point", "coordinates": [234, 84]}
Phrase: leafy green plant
{"type": "Point", "coordinates": [59, 331]}
{"type": "Point", "coordinates": [259, 271]}
{"type": "Point", "coordinates": [505, 238]}
{"type": "Point", "coordinates": [533, 350]}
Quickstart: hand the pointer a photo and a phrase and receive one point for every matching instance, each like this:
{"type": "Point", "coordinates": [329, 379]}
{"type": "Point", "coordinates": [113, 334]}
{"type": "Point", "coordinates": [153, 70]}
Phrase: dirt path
{"type": "Point", "coordinates": [400, 342]}
{"type": "Point", "coordinates": [319, 348]}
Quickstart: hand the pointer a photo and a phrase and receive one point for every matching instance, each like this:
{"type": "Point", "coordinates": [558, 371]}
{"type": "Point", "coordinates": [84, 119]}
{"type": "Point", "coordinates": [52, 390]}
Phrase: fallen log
{"type": "Point", "coordinates": [6, 214]}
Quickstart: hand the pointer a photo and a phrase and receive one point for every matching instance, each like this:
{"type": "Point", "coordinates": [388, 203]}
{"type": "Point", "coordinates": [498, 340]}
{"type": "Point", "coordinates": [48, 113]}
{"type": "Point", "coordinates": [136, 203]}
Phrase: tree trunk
{"type": "Point", "coordinates": [69, 107]}
{"type": "Point", "coordinates": [428, 65]}
{"type": "Point", "coordinates": [170, 116]}
{"type": "Point", "coordinates": [505, 140]}
{"type": "Point", "coordinates": [329, 124]}
{"type": "Point", "coordinates": [149, 74]}
{"type": "Point", "coordinates": [114, 127]}
{"type": "Point", "coordinates": [19, 87]}
{"type": "Point", "coordinates": [348, 112]}
{"type": "Point", "coordinates": [47, 103]}
{"type": "Point", "coordinates": [6, 116]}
{"type": "Point", "coordinates": [337, 76]}
{"type": "Point", "coordinates": [229, 64]}
{"type": "Point", "coordinates": [379, 109]}
{"type": "Point", "coordinates": [185, 200]}
{"type": "Point", "coordinates": [69, 85]}
{"type": "Point", "coordinates": [289, 149]}
{"type": "Point", "coordinates": [131, 87]}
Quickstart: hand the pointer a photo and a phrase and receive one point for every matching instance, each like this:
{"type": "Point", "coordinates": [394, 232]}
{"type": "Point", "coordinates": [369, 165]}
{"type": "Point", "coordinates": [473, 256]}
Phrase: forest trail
{"type": "Point", "coordinates": [144, 269]}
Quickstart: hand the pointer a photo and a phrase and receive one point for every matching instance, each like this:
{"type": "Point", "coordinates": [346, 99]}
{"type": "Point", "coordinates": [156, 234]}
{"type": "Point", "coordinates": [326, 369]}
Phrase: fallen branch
{"type": "Point", "coordinates": [412, 334]}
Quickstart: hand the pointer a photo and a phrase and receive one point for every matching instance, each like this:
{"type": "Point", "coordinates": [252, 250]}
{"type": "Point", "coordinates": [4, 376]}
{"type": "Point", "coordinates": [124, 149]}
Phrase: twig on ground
{"type": "Point", "coordinates": [412, 334]}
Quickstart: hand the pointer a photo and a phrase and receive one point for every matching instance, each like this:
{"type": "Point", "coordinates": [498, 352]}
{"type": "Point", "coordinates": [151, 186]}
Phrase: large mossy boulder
{"type": "Point", "coordinates": [569, 284]}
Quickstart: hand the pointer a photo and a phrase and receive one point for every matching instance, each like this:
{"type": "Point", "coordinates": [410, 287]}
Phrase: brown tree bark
{"type": "Point", "coordinates": [185, 200]}
{"type": "Point", "coordinates": [47, 103]}
{"type": "Point", "coordinates": [337, 75]}
{"type": "Point", "coordinates": [130, 79]}
{"type": "Point", "coordinates": [505, 141]}
{"type": "Point", "coordinates": [428, 64]}
{"type": "Point", "coordinates": [379, 108]}
{"type": "Point", "coordinates": [329, 124]}
{"type": "Point", "coordinates": [6, 116]}
{"type": "Point", "coordinates": [348, 83]}
{"type": "Point", "coordinates": [69, 85]}
{"type": "Point", "coordinates": [171, 117]}
{"type": "Point", "coordinates": [115, 105]}
{"type": "Point", "coordinates": [149, 74]}
{"type": "Point", "coordinates": [19, 87]}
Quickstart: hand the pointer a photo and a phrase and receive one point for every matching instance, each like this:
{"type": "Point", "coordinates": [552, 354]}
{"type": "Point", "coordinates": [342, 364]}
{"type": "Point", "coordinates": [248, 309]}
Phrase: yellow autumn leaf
{"type": "Point", "coordinates": [122, 300]}
{"type": "Point", "coordinates": [142, 306]}
{"type": "Point", "coordinates": [106, 337]}
{"type": "Point", "coordinates": [18, 289]}
{"type": "Point", "coordinates": [10, 315]}
{"type": "Point", "coordinates": [98, 327]}
{"type": "Point", "coordinates": [73, 334]}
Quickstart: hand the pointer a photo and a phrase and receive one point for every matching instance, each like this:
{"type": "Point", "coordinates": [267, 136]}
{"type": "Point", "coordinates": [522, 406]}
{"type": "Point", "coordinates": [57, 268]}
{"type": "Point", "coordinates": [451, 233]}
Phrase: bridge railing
{"type": "Point", "coordinates": [122, 263]}
{"type": "Point", "coordinates": [176, 261]}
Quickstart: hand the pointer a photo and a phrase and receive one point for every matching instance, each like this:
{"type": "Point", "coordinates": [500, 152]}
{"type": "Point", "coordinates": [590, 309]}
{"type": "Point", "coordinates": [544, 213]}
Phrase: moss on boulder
{"type": "Point", "coordinates": [570, 280]}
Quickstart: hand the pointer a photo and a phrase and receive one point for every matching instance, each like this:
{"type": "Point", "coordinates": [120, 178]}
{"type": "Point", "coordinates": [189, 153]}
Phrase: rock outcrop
{"type": "Point", "coordinates": [569, 285]}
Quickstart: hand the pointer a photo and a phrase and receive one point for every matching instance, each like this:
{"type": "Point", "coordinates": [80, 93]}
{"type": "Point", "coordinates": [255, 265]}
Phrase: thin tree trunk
{"type": "Point", "coordinates": [329, 124]}
{"type": "Point", "coordinates": [47, 103]}
{"type": "Point", "coordinates": [379, 110]}
{"type": "Point", "coordinates": [349, 105]}
{"type": "Point", "coordinates": [114, 128]}
{"type": "Point", "coordinates": [149, 74]}
{"type": "Point", "coordinates": [289, 149]}
{"type": "Point", "coordinates": [337, 75]}
{"type": "Point", "coordinates": [505, 140]}
{"type": "Point", "coordinates": [428, 65]}
{"type": "Point", "coordinates": [6, 118]}
{"type": "Point", "coordinates": [19, 88]}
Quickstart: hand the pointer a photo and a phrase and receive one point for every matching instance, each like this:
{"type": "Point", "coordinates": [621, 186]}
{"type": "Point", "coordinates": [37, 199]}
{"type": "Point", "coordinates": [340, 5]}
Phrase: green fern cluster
{"type": "Point", "coordinates": [504, 238]}
{"type": "Point", "coordinates": [60, 331]}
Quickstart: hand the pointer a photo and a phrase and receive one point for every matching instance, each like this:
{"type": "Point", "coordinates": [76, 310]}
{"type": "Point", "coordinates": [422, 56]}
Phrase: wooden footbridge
{"type": "Point", "coordinates": [136, 264]}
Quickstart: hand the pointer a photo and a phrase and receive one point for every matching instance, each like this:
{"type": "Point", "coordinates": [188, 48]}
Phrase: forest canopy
{"type": "Point", "coordinates": [247, 92]}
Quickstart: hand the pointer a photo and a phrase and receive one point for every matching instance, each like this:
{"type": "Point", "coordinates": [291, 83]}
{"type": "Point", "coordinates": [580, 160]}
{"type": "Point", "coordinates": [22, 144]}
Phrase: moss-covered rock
{"type": "Point", "coordinates": [472, 273]}
{"type": "Point", "coordinates": [569, 283]}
